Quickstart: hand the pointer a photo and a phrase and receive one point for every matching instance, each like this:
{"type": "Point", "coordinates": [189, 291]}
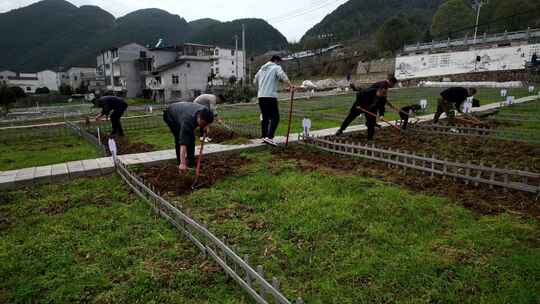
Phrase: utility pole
{"type": "Point", "coordinates": [236, 56]}
{"type": "Point", "coordinates": [244, 54]}
{"type": "Point", "coordinates": [478, 5]}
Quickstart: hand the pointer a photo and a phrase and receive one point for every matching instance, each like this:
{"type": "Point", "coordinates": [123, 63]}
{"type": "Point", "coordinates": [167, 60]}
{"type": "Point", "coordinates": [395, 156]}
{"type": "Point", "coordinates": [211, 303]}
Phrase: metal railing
{"type": "Point", "coordinates": [91, 139]}
{"type": "Point", "coordinates": [245, 129]}
{"type": "Point", "coordinates": [250, 279]}
{"type": "Point", "coordinates": [469, 173]}
{"type": "Point", "coordinates": [35, 132]}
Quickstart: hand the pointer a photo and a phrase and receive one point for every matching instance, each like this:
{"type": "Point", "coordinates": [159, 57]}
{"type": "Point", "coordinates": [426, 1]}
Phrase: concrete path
{"type": "Point", "coordinates": [103, 166]}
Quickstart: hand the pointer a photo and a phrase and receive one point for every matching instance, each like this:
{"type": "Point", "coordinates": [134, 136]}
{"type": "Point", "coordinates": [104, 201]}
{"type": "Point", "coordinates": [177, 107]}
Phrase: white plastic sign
{"type": "Point", "coordinates": [531, 89]}
{"type": "Point", "coordinates": [113, 148]}
{"type": "Point", "coordinates": [510, 100]}
{"type": "Point", "coordinates": [306, 123]}
{"type": "Point", "coordinates": [423, 104]}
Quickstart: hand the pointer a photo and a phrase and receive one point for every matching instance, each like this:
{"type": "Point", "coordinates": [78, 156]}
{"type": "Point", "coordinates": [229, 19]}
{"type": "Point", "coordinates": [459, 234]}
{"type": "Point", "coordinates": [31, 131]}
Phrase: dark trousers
{"type": "Point", "coordinates": [443, 106]}
{"type": "Point", "coordinates": [404, 120]}
{"type": "Point", "coordinates": [116, 124]}
{"type": "Point", "coordinates": [371, 121]}
{"type": "Point", "coordinates": [270, 116]}
{"type": "Point", "coordinates": [175, 130]}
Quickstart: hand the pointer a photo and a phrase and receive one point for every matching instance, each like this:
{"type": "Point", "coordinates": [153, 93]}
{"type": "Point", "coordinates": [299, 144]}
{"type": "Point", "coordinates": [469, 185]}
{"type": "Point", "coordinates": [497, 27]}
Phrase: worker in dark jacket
{"type": "Point", "coordinates": [382, 101]}
{"type": "Point", "coordinates": [183, 118]}
{"type": "Point", "coordinates": [406, 112]}
{"type": "Point", "coordinates": [117, 106]}
{"type": "Point", "coordinates": [451, 99]}
{"type": "Point", "coordinates": [371, 103]}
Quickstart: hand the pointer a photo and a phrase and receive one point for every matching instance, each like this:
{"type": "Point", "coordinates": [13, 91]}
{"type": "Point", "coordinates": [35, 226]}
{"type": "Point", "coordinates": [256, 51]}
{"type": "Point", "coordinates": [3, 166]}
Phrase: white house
{"type": "Point", "coordinates": [121, 69]}
{"type": "Point", "coordinates": [227, 63]}
{"type": "Point", "coordinates": [30, 82]}
{"type": "Point", "coordinates": [78, 76]}
{"type": "Point", "coordinates": [179, 73]}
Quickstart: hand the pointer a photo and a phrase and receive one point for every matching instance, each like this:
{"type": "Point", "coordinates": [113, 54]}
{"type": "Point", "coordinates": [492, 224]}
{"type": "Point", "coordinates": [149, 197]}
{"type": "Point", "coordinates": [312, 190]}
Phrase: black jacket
{"type": "Point", "coordinates": [368, 100]}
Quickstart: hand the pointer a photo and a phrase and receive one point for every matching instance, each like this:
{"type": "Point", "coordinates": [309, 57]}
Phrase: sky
{"type": "Point", "coordinates": [291, 18]}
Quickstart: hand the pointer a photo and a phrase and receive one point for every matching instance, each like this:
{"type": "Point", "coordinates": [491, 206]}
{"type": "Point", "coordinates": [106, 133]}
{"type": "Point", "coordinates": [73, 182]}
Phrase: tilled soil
{"type": "Point", "coordinates": [481, 199]}
{"type": "Point", "coordinates": [502, 153]}
{"type": "Point", "coordinates": [125, 146]}
{"type": "Point", "coordinates": [167, 179]}
{"type": "Point", "coordinates": [221, 135]}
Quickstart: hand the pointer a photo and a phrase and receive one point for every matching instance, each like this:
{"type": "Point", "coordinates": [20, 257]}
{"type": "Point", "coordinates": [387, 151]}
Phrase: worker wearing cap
{"type": "Point", "coordinates": [451, 99]}
{"type": "Point", "coordinates": [267, 80]}
{"type": "Point", "coordinates": [113, 107]}
{"type": "Point", "coordinates": [183, 118]}
{"type": "Point", "coordinates": [210, 101]}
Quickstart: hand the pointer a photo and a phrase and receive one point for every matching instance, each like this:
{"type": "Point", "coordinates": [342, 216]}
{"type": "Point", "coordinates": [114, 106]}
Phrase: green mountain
{"type": "Point", "coordinates": [55, 33]}
{"type": "Point", "coordinates": [362, 18]}
{"type": "Point", "coordinates": [201, 24]}
{"type": "Point", "coordinates": [260, 36]}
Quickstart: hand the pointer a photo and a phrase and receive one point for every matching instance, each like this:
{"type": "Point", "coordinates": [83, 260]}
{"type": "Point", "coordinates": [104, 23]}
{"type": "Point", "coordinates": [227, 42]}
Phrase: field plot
{"type": "Point", "coordinates": [340, 230]}
{"type": "Point", "coordinates": [91, 241]}
{"type": "Point", "coordinates": [33, 147]}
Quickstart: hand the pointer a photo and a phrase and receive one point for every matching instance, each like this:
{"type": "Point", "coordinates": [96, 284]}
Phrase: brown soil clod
{"type": "Point", "coordinates": [125, 146]}
{"type": "Point", "coordinates": [167, 179]}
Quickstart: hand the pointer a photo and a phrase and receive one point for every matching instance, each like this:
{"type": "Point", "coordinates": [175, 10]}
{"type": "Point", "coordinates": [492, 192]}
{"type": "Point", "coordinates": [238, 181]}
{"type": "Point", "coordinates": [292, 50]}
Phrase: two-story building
{"type": "Point", "coordinates": [179, 73]}
{"type": "Point", "coordinates": [30, 82]}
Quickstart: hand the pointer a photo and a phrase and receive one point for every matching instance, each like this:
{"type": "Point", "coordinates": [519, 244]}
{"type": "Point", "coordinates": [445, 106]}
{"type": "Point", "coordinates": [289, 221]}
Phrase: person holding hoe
{"type": "Point", "coordinates": [382, 101]}
{"type": "Point", "coordinates": [117, 106]}
{"type": "Point", "coordinates": [371, 103]}
{"type": "Point", "coordinates": [451, 99]}
{"type": "Point", "coordinates": [210, 101]}
{"type": "Point", "coordinates": [267, 80]}
{"type": "Point", "coordinates": [183, 118]}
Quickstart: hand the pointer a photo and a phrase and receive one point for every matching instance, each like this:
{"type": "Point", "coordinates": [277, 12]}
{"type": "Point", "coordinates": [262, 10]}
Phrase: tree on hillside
{"type": "Point", "coordinates": [18, 91]}
{"type": "Point", "coordinates": [514, 15]}
{"type": "Point", "coordinates": [454, 18]}
{"type": "Point", "coordinates": [394, 33]}
{"type": "Point", "coordinates": [7, 97]}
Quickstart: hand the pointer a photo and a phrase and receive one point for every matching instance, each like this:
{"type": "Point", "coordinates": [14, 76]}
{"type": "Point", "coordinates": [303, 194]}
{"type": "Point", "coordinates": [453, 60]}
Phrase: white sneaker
{"type": "Point", "coordinates": [270, 142]}
{"type": "Point", "coordinates": [206, 140]}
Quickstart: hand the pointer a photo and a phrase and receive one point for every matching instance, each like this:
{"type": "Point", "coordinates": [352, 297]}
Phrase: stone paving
{"type": "Point", "coordinates": [103, 166]}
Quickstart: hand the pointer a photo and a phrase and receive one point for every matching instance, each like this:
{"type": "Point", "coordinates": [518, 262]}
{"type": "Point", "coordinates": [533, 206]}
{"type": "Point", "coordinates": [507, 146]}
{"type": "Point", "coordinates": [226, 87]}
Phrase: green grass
{"type": "Point", "coordinates": [532, 111]}
{"type": "Point", "coordinates": [334, 237]}
{"type": "Point", "coordinates": [41, 151]}
{"type": "Point", "coordinates": [91, 241]}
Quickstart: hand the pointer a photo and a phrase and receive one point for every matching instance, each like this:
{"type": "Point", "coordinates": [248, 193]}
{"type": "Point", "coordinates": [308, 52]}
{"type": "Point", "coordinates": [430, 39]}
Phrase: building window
{"type": "Point", "coordinates": [233, 62]}
{"type": "Point", "coordinates": [158, 79]}
{"type": "Point", "coordinates": [217, 70]}
{"type": "Point", "coordinates": [217, 52]}
{"type": "Point", "coordinates": [75, 78]}
{"type": "Point", "coordinates": [28, 89]}
{"type": "Point", "coordinates": [232, 52]}
{"type": "Point", "coordinates": [1, 77]}
{"type": "Point", "coordinates": [175, 79]}
{"type": "Point", "coordinates": [143, 54]}
{"type": "Point", "coordinates": [212, 71]}
{"type": "Point", "coordinates": [188, 65]}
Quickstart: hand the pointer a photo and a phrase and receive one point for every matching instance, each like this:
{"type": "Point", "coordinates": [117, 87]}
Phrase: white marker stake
{"type": "Point", "coordinates": [113, 149]}
{"type": "Point", "coordinates": [531, 89]}
{"type": "Point", "coordinates": [306, 123]}
{"type": "Point", "coordinates": [98, 136]}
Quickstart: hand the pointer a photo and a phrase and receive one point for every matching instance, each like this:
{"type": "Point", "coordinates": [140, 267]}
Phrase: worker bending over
{"type": "Point", "coordinates": [117, 106]}
{"type": "Point", "coordinates": [210, 101]}
{"type": "Point", "coordinates": [183, 118]}
{"type": "Point", "coordinates": [451, 99]}
{"type": "Point", "coordinates": [371, 103]}
{"type": "Point", "coordinates": [406, 112]}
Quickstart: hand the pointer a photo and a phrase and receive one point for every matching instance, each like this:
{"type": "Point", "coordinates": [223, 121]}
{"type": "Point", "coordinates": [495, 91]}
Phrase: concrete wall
{"type": "Point", "coordinates": [451, 63]}
{"type": "Point", "coordinates": [4, 76]}
{"type": "Point", "coordinates": [161, 57]}
{"type": "Point", "coordinates": [79, 74]}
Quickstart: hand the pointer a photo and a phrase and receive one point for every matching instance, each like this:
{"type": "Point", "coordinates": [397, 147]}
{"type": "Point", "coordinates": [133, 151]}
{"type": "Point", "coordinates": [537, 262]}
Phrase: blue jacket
{"type": "Point", "coordinates": [267, 79]}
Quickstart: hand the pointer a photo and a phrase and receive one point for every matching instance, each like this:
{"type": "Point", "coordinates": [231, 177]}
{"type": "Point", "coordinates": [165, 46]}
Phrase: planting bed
{"type": "Point", "coordinates": [168, 180]}
{"type": "Point", "coordinates": [482, 199]}
{"type": "Point", "coordinates": [502, 153]}
{"type": "Point", "coordinates": [125, 146]}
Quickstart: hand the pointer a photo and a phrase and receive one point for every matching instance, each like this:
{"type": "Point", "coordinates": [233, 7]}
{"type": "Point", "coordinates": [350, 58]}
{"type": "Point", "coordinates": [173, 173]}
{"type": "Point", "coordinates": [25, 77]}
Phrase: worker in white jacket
{"type": "Point", "coordinates": [267, 80]}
